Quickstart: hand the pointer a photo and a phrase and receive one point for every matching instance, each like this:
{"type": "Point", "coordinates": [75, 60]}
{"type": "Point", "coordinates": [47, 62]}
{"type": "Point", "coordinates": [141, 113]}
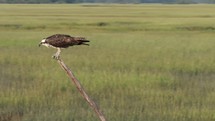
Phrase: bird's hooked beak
{"type": "Point", "coordinates": [40, 44]}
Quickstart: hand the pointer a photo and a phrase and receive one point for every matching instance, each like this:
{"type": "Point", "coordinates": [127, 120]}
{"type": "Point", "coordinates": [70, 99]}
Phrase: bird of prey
{"type": "Point", "coordinates": [59, 41]}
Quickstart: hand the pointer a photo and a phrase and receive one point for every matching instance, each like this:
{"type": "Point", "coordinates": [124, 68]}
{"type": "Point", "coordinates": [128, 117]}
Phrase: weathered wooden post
{"type": "Point", "coordinates": [81, 90]}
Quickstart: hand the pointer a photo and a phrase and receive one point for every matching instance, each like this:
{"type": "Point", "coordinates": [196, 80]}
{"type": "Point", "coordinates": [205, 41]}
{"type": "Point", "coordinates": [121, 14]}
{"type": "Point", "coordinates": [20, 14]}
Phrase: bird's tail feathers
{"type": "Point", "coordinates": [83, 42]}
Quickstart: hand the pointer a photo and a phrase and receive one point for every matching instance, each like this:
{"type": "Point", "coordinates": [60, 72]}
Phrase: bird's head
{"type": "Point", "coordinates": [42, 42]}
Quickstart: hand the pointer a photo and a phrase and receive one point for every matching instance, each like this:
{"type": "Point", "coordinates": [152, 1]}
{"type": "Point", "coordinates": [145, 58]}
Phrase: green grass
{"type": "Point", "coordinates": [145, 62]}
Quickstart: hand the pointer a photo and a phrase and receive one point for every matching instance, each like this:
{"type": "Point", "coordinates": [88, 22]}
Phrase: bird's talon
{"type": "Point", "coordinates": [56, 57]}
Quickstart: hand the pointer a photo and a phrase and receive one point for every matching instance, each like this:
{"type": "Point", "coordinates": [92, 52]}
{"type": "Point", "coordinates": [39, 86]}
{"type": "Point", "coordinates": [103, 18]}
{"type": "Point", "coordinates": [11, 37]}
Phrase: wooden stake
{"type": "Point", "coordinates": [81, 90]}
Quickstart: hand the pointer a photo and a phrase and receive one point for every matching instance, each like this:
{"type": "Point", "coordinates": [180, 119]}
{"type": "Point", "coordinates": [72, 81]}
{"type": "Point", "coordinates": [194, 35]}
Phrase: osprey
{"type": "Point", "coordinates": [59, 41]}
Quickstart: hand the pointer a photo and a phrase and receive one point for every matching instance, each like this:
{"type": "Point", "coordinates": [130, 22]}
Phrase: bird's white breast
{"type": "Point", "coordinates": [47, 45]}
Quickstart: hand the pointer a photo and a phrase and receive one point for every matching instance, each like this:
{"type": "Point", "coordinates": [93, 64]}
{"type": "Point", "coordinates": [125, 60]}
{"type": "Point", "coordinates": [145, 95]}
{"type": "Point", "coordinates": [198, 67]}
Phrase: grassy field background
{"type": "Point", "coordinates": [145, 62]}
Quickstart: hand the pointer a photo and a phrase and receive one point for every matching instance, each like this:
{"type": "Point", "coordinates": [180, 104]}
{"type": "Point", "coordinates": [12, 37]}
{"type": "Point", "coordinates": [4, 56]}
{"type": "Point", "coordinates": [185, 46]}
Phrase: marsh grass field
{"type": "Point", "coordinates": [148, 62]}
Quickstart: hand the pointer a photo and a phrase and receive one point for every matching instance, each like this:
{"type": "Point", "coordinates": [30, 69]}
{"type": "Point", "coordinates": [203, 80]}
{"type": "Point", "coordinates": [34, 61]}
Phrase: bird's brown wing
{"type": "Point", "coordinates": [64, 41]}
{"type": "Point", "coordinates": [78, 41]}
{"type": "Point", "coordinates": [58, 40]}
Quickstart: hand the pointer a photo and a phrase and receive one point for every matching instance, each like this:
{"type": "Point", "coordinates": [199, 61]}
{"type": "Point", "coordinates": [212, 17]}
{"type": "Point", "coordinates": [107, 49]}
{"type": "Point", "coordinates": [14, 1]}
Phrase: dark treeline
{"type": "Point", "coordinates": [110, 1]}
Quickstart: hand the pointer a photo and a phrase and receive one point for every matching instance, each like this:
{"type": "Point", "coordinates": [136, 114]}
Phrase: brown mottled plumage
{"type": "Point", "coordinates": [62, 41]}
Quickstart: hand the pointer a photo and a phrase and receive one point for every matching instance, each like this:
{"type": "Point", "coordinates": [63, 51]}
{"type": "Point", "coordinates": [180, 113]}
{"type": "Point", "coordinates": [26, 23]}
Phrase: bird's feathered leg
{"type": "Point", "coordinates": [57, 54]}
